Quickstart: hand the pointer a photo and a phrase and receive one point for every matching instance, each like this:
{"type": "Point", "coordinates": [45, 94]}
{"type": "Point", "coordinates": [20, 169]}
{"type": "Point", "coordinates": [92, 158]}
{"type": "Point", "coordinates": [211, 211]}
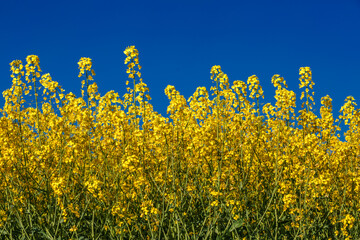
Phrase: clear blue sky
{"type": "Point", "coordinates": [179, 42]}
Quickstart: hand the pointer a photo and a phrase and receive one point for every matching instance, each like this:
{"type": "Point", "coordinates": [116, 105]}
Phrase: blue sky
{"type": "Point", "coordinates": [179, 42]}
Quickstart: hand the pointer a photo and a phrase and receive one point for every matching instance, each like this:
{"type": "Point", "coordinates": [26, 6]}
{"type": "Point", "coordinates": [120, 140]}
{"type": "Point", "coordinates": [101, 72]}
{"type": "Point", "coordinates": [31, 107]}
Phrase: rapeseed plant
{"type": "Point", "coordinates": [219, 167]}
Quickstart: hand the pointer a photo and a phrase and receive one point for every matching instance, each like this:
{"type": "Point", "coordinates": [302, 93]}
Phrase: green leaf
{"type": "Point", "coordinates": [236, 225]}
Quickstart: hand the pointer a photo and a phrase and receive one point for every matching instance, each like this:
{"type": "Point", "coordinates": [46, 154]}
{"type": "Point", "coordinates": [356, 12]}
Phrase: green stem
{"type": "Point", "coordinates": [37, 109]}
{"type": "Point", "coordinates": [88, 106]}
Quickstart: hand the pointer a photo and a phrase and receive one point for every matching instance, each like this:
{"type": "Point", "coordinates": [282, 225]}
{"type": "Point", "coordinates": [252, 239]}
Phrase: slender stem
{"type": "Point", "coordinates": [88, 106]}
{"type": "Point", "coordinates": [135, 114]}
{"type": "Point", "coordinates": [37, 109]}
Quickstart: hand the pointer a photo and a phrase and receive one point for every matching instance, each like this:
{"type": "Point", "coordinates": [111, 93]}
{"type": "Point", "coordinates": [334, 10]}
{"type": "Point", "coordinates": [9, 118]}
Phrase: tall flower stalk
{"type": "Point", "coordinates": [85, 66]}
{"type": "Point", "coordinates": [32, 73]}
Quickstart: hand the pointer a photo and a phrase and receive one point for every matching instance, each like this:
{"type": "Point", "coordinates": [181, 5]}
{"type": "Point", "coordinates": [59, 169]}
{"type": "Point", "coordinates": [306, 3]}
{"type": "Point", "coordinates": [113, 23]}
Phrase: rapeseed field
{"type": "Point", "coordinates": [219, 167]}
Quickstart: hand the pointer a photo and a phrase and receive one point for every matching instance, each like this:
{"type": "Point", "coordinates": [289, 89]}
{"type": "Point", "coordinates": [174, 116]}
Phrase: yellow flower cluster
{"type": "Point", "coordinates": [219, 166]}
{"type": "Point", "coordinates": [32, 63]}
{"type": "Point", "coordinates": [85, 64]}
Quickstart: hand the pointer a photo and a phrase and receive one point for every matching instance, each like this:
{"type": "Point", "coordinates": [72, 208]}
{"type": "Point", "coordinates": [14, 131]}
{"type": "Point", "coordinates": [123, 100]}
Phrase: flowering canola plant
{"type": "Point", "coordinates": [219, 166]}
